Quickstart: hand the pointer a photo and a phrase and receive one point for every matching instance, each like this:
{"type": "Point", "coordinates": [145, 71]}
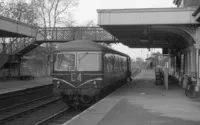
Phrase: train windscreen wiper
{"type": "Point", "coordinates": [83, 56]}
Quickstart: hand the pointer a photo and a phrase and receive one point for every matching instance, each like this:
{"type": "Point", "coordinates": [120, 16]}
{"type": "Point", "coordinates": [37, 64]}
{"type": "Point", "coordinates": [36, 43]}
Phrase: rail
{"type": "Point", "coordinates": [20, 110]}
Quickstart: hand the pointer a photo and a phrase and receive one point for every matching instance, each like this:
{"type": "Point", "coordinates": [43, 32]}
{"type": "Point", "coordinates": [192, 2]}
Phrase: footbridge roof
{"type": "Point", "coordinates": [12, 28]}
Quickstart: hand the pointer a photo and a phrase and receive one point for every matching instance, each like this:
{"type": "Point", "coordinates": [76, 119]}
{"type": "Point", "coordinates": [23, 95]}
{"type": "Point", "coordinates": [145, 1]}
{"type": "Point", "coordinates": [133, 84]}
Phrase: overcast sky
{"type": "Point", "coordinates": [86, 11]}
{"type": "Point", "coordinates": [87, 8]}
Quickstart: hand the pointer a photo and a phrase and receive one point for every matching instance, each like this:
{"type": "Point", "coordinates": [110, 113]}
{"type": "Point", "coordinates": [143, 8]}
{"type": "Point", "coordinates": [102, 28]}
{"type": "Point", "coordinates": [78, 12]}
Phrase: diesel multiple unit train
{"type": "Point", "coordinates": [84, 69]}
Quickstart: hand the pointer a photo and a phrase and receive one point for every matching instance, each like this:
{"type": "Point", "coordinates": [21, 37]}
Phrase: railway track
{"type": "Point", "coordinates": [11, 98]}
{"type": "Point", "coordinates": [47, 110]}
{"type": "Point", "coordinates": [60, 117]}
{"type": "Point", "coordinates": [18, 111]}
{"type": "Point", "coordinates": [67, 113]}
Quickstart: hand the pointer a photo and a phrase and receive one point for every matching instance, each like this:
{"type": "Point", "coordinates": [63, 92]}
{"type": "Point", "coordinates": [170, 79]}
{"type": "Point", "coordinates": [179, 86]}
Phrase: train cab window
{"type": "Point", "coordinates": [88, 61]}
{"type": "Point", "coordinates": [65, 62]}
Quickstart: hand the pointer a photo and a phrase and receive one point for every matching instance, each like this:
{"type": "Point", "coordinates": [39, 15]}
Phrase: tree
{"type": "Point", "coordinates": [52, 13]}
{"type": "Point", "coordinates": [140, 62]}
{"type": "Point", "coordinates": [44, 13]}
{"type": "Point", "coordinates": [90, 23]}
{"type": "Point", "coordinates": [156, 58]}
{"type": "Point", "coordinates": [18, 10]}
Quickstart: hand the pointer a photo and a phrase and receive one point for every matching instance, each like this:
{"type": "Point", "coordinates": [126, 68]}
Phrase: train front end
{"type": "Point", "coordinates": [77, 76]}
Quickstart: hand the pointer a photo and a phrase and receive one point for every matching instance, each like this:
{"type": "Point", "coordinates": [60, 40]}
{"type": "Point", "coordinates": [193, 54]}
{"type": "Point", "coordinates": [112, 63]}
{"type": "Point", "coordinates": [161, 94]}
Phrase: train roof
{"type": "Point", "coordinates": [85, 45]}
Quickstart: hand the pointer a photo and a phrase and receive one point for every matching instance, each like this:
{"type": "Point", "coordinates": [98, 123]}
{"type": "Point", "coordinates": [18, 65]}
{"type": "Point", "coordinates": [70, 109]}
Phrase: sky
{"type": "Point", "coordinates": [87, 8]}
{"type": "Point", "coordinates": [87, 11]}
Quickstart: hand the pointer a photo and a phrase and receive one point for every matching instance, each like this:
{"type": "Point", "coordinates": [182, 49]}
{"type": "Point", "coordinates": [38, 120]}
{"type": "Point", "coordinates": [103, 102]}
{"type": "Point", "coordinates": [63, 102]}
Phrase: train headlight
{"type": "Point", "coordinates": [95, 84]}
{"type": "Point", "coordinates": [58, 83]}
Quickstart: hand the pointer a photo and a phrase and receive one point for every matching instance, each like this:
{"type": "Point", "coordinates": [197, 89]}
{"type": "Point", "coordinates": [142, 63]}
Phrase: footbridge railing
{"type": "Point", "coordinates": [64, 34]}
{"type": "Point", "coordinates": [22, 45]}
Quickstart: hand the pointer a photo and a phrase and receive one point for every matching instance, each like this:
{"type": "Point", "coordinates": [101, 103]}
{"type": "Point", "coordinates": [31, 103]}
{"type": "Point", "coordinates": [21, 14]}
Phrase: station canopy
{"type": "Point", "coordinates": [150, 28]}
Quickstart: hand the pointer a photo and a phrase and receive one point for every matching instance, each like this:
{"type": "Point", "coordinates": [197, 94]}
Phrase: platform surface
{"type": "Point", "coordinates": [7, 86]}
{"type": "Point", "coordinates": [141, 102]}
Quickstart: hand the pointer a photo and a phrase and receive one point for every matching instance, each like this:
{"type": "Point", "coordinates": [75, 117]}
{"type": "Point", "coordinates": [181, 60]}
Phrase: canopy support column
{"type": "Point", "coordinates": [197, 67]}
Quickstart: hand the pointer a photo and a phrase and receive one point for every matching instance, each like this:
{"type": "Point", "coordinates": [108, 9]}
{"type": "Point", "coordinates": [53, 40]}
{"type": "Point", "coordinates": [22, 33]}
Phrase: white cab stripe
{"type": "Point", "coordinates": [64, 82]}
{"type": "Point", "coordinates": [89, 81]}
{"type": "Point", "coordinates": [80, 84]}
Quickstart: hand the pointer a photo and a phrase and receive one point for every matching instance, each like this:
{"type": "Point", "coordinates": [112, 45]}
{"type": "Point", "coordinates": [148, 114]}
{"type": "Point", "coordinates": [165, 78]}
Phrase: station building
{"type": "Point", "coordinates": [175, 30]}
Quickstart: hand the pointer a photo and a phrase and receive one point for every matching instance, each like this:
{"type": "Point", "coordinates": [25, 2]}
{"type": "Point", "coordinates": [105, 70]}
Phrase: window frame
{"type": "Point", "coordinates": [89, 52]}
{"type": "Point", "coordinates": [75, 68]}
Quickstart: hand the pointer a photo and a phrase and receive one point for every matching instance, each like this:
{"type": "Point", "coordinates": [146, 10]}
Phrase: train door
{"type": "Point", "coordinates": [129, 73]}
{"type": "Point", "coordinates": [128, 64]}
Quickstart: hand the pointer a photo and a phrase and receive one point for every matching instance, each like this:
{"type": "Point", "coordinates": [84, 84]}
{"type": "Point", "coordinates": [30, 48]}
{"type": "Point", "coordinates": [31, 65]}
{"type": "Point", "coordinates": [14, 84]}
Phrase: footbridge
{"type": "Point", "coordinates": [12, 28]}
{"type": "Point", "coordinates": [24, 38]}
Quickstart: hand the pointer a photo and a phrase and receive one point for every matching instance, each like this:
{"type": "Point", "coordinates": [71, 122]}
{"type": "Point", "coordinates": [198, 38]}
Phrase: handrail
{"type": "Point", "coordinates": [22, 45]}
{"type": "Point", "coordinates": [196, 11]}
{"type": "Point", "coordinates": [7, 47]}
{"type": "Point", "coordinates": [72, 33]}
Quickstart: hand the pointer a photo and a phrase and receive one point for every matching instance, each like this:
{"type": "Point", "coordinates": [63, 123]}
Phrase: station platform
{"type": "Point", "coordinates": [7, 86]}
{"type": "Point", "coordinates": [141, 102]}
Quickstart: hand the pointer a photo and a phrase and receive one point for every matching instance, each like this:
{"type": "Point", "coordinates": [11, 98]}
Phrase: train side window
{"type": "Point", "coordinates": [105, 64]}
{"type": "Point", "coordinates": [120, 64]}
{"type": "Point", "coordinates": [115, 63]}
{"type": "Point", "coordinates": [124, 64]}
{"type": "Point", "coordinates": [121, 69]}
{"type": "Point", "coordinates": [110, 63]}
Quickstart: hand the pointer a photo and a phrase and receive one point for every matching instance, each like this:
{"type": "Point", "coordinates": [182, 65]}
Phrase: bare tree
{"type": "Point", "coordinates": [90, 23]}
{"type": "Point", "coordinates": [53, 13]}
{"type": "Point", "coordinates": [18, 10]}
